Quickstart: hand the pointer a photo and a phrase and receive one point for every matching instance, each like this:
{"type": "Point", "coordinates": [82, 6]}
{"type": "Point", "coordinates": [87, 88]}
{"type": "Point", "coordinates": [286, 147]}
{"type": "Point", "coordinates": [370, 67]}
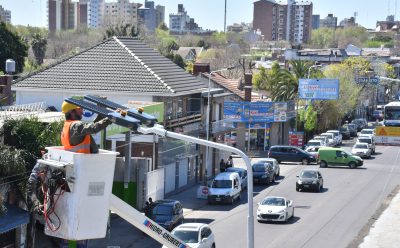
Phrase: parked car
{"type": "Point", "coordinates": [197, 235]}
{"type": "Point", "coordinates": [314, 143]}
{"type": "Point", "coordinates": [290, 154]}
{"type": "Point", "coordinates": [368, 132]}
{"type": "Point", "coordinates": [324, 139]}
{"type": "Point", "coordinates": [331, 139]}
{"type": "Point", "coordinates": [274, 208]}
{"type": "Point", "coordinates": [242, 175]}
{"type": "Point", "coordinates": [337, 136]}
{"type": "Point", "coordinates": [313, 150]}
{"type": "Point", "coordinates": [225, 188]}
{"type": "Point", "coordinates": [360, 124]}
{"type": "Point", "coordinates": [367, 139]}
{"type": "Point", "coordinates": [310, 179]}
{"type": "Point", "coordinates": [275, 165]}
{"type": "Point", "coordinates": [339, 157]}
{"type": "Point", "coordinates": [377, 115]}
{"type": "Point", "coordinates": [345, 131]}
{"type": "Point", "coordinates": [353, 129]}
{"type": "Point", "coordinates": [263, 173]}
{"type": "Point", "coordinates": [167, 213]}
{"type": "Point", "coordinates": [362, 149]}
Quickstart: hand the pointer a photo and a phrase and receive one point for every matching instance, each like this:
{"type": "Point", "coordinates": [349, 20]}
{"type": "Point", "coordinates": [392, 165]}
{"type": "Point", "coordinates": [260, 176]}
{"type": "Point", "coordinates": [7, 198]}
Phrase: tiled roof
{"type": "Point", "coordinates": [119, 64]}
{"type": "Point", "coordinates": [229, 84]}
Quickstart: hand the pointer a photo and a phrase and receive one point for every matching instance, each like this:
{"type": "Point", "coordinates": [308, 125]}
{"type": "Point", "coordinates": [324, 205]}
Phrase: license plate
{"type": "Point", "coordinates": [306, 186]}
{"type": "Point", "coordinates": [217, 199]}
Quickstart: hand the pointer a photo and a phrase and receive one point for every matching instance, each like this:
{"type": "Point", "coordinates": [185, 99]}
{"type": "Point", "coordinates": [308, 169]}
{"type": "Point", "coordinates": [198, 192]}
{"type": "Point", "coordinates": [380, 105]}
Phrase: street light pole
{"type": "Point", "coordinates": [208, 114]}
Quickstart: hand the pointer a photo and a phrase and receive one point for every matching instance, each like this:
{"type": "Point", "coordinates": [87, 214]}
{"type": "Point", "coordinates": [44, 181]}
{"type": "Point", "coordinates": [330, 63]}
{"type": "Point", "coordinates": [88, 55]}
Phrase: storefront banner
{"type": "Point", "coordinates": [233, 111]}
{"type": "Point", "coordinates": [258, 112]}
{"type": "Point", "coordinates": [319, 89]}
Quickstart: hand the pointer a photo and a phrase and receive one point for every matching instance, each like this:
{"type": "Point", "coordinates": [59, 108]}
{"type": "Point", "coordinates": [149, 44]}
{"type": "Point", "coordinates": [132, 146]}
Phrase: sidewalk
{"type": "Point", "coordinates": [385, 232]}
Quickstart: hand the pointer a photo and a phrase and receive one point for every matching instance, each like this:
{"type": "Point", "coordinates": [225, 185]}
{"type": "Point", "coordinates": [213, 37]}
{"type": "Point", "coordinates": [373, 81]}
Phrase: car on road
{"type": "Point", "coordinates": [324, 139]}
{"type": "Point", "coordinates": [360, 124]}
{"type": "Point", "coordinates": [331, 139]}
{"type": "Point", "coordinates": [362, 149]}
{"type": "Point", "coordinates": [313, 150]}
{"type": "Point", "coordinates": [290, 154]}
{"type": "Point", "coordinates": [275, 165]}
{"type": "Point", "coordinates": [225, 188]}
{"type": "Point", "coordinates": [196, 235]}
{"type": "Point", "coordinates": [368, 132]}
{"type": "Point", "coordinates": [275, 208]}
{"type": "Point", "coordinates": [167, 213]}
{"type": "Point", "coordinates": [338, 157]}
{"type": "Point", "coordinates": [337, 136]}
{"type": "Point", "coordinates": [314, 143]}
{"type": "Point", "coordinates": [310, 179]}
{"type": "Point", "coordinates": [367, 139]}
{"type": "Point", "coordinates": [345, 131]}
{"type": "Point", "coordinates": [242, 175]}
{"type": "Point", "coordinates": [263, 173]}
{"type": "Point", "coordinates": [353, 129]}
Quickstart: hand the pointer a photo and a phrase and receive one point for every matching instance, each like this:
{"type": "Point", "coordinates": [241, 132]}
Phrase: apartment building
{"type": "Point", "coordinates": [66, 14]}
{"type": "Point", "coordinates": [5, 15]}
{"type": "Point", "coordinates": [121, 12]}
{"type": "Point", "coordinates": [95, 9]}
{"type": "Point", "coordinates": [283, 20]}
{"type": "Point", "coordinates": [181, 23]}
{"type": "Point", "coordinates": [151, 16]}
{"type": "Point", "coordinates": [329, 22]}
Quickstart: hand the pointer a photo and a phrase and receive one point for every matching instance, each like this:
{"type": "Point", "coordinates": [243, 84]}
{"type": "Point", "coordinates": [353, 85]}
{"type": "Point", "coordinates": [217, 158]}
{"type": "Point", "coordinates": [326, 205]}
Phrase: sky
{"type": "Point", "coordinates": [209, 14]}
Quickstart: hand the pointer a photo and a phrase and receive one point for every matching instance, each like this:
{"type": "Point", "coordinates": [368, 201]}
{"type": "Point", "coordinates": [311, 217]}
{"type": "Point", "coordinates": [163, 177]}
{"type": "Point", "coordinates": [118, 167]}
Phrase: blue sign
{"type": "Point", "coordinates": [233, 111]}
{"type": "Point", "coordinates": [258, 112]}
{"type": "Point", "coordinates": [319, 89]}
{"type": "Point", "coordinates": [368, 80]}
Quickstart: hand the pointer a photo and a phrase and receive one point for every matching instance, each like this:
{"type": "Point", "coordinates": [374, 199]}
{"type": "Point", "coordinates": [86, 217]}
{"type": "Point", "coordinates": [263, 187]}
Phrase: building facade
{"type": "Point", "coordinates": [5, 15]}
{"type": "Point", "coordinates": [150, 16]}
{"type": "Point", "coordinates": [291, 21]}
{"type": "Point", "coordinates": [66, 14]}
{"type": "Point", "coordinates": [389, 24]}
{"type": "Point", "coordinates": [329, 22]}
{"type": "Point", "coordinates": [121, 12]}
{"type": "Point", "coordinates": [316, 20]}
{"type": "Point", "coordinates": [181, 23]}
{"type": "Point", "coordinates": [95, 11]}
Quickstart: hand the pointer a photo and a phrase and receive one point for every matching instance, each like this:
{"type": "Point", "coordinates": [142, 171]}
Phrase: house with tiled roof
{"type": "Point", "coordinates": [189, 53]}
{"type": "Point", "coordinates": [125, 69]}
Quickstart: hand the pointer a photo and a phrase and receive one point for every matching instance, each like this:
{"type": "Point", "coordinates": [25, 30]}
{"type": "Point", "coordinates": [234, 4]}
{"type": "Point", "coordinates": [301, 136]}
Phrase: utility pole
{"type": "Point", "coordinates": [225, 19]}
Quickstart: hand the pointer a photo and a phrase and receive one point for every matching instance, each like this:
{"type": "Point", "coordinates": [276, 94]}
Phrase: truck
{"type": "Point", "coordinates": [389, 133]}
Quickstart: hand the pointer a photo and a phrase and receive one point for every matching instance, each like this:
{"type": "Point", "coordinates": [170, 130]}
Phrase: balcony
{"type": "Point", "coordinates": [182, 121]}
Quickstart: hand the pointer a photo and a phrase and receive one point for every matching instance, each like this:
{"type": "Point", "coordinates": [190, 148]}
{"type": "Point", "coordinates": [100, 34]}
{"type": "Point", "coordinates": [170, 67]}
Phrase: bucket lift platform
{"type": "Point", "coordinates": [80, 211]}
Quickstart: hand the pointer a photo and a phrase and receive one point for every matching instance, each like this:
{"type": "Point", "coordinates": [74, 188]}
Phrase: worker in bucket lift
{"type": "Point", "coordinates": [76, 135]}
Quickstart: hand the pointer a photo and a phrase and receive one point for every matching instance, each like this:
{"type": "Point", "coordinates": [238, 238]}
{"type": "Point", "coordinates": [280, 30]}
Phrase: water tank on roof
{"type": "Point", "coordinates": [10, 66]}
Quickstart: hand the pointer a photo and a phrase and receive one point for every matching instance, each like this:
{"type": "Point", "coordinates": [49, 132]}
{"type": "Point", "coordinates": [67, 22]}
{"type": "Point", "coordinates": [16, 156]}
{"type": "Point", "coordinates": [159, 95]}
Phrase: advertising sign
{"type": "Point", "coordinates": [280, 109]}
{"type": "Point", "coordinates": [319, 89]}
{"type": "Point", "coordinates": [387, 131]}
{"type": "Point", "coordinates": [387, 140]}
{"type": "Point", "coordinates": [296, 139]}
{"type": "Point", "coordinates": [233, 111]}
{"type": "Point", "coordinates": [258, 112]}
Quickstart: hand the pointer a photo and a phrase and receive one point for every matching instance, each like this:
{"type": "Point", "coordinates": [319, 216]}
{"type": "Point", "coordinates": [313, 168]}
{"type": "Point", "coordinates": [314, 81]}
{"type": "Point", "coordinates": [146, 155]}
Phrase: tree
{"type": "Point", "coordinates": [203, 43]}
{"type": "Point", "coordinates": [127, 30]}
{"type": "Point", "coordinates": [323, 38]}
{"type": "Point", "coordinates": [163, 26]}
{"type": "Point", "coordinates": [38, 44]}
{"type": "Point", "coordinates": [178, 60]}
{"type": "Point", "coordinates": [351, 35]}
{"type": "Point", "coordinates": [12, 47]}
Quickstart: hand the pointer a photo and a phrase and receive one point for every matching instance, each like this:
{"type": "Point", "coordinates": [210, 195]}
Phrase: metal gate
{"type": "Point", "coordinates": [183, 167]}
{"type": "Point", "coordinates": [170, 173]}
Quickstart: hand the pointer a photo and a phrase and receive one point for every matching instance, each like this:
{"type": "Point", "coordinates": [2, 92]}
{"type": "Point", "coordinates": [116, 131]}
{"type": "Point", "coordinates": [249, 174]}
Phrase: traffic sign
{"type": "Point", "coordinates": [368, 80]}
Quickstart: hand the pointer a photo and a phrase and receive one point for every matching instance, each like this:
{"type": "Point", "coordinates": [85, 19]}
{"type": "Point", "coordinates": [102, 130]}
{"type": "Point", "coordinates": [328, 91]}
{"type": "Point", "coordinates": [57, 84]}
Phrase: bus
{"type": "Point", "coordinates": [391, 116]}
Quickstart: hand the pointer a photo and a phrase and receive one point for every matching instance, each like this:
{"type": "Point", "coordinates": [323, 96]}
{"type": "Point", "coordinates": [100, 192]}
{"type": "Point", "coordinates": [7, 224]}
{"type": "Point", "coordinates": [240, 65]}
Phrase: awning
{"type": "Point", "coordinates": [14, 218]}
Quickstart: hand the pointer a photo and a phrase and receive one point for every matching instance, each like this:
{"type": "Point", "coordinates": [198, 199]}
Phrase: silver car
{"type": "Point", "coordinates": [274, 163]}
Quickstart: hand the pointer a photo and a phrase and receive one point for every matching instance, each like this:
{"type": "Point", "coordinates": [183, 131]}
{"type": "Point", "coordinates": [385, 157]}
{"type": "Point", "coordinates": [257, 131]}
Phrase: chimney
{"type": "Point", "coordinates": [248, 78]}
{"type": "Point", "coordinates": [200, 68]}
{"type": "Point", "coordinates": [6, 97]}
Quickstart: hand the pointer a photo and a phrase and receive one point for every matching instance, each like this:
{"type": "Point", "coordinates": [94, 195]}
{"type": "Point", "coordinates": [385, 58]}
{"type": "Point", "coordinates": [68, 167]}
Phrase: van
{"type": "Point", "coordinates": [338, 157]}
{"type": "Point", "coordinates": [225, 188]}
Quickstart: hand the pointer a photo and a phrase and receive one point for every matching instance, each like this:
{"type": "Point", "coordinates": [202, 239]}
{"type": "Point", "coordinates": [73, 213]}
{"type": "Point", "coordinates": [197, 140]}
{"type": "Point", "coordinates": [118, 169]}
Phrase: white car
{"type": "Point", "coordinates": [324, 139]}
{"type": "Point", "coordinates": [275, 165]}
{"type": "Point", "coordinates": [331, 139]}
{"type": "Point", "coordinates": [275, 208]}
{"type": "Point", "coordinates": [368, 132]}
{"type": "Point", "coordinates": [314, 143]}
{"type": "Point", "coordinates": [242, 174]}
{"type": "Point", "coordinates": [338, 136]}
{"type": "Point", "coordinates": [313, 150]}
{"type": "Point", "coordinates": [362, 149]}
{"type": "Point", "coordinates": [195, 235]}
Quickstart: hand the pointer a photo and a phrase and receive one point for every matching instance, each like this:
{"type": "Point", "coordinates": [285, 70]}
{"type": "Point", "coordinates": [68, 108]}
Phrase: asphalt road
{"type": "Point", "coordinates": [332, 218]}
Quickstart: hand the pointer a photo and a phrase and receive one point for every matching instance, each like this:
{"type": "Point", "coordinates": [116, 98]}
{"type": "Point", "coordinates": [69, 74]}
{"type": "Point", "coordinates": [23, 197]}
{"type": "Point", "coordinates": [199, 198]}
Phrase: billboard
{"type": "Point", "coordinates": [258, 112]}
{"type": "Point", "coordinates": [319, 89]}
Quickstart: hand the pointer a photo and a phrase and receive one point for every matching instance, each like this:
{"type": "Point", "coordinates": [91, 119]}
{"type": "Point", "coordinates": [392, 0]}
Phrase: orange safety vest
{"type": "Point", "coordinates": [83, 147]}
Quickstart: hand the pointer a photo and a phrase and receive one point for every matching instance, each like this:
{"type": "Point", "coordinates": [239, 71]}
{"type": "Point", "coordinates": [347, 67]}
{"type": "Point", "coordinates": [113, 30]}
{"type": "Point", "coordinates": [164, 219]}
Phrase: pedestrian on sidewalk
{"type": "Point", "coordinates": [229, 162]}
{"type": "Point", "coordinates": [222, 165]}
